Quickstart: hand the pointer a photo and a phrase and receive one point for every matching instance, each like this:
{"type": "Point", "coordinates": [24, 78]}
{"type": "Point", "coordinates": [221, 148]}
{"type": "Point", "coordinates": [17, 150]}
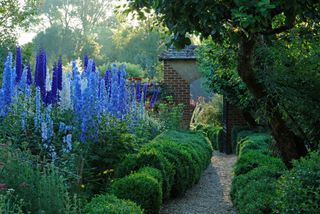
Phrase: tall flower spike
{"type": "Point", "coordinates": [145, 90]}
{"type": "Point", "coordinates": [59, 74]}
{"type": "Point", "coordinates": [154, 97]}
{"type": "Point", "coordinates": [85, 62]}
{"type": "Point", "coordinates": [93, 66]}
{"type": "Point", "coordinates": [18, 64]}
{"type": "Point", "coordinates": [138, 91]}
{"type": "Point", "coordinates": [29, 73]}
{"type": "Point", "coordinates": [41, 73]}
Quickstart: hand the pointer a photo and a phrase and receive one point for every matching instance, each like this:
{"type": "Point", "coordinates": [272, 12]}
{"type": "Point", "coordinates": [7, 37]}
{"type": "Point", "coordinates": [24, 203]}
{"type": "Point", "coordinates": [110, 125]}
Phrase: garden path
{"type": "Point", "coordinates": [211, 194]}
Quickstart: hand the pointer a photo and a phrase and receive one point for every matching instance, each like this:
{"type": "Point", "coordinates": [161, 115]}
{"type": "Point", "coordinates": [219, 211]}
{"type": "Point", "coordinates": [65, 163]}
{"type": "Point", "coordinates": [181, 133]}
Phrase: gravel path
{"type": "Point", "coordinates": [211, 194]}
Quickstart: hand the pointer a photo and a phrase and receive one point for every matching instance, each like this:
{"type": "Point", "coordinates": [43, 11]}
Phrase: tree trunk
{"type": "Point", "coordinates": [290, 146]}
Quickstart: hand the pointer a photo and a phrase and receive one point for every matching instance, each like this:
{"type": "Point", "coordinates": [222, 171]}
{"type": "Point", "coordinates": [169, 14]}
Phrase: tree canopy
{"type": "Point", "coordinates": [244, 27]}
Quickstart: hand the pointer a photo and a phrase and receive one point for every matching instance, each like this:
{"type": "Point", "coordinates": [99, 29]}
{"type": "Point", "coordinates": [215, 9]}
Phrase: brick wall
{"type": "Point", "coordinates": [232, 116]}
{"type": "Point", "coordinates": [181, 91]}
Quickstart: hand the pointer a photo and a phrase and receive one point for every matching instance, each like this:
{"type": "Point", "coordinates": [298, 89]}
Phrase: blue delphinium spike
{"type": "Point", "coordinates": [93, 66]}
{"type": "Point", "coordinates": [29, 73]}
{"type": "Point", "coordinates": [59, 74]}
{"type": "Point", "coordinates": [154, 97]}
{"type": "Point", "coordinates": [41, 74]}
{"type": "Point", "coordinates": [138, 91]}
{"type": "Point", "coordinates": [18, 64]}
{"type": "Point", "coordinates": [85, 62]}
{"type": "Point", "coordinates": [145, 90]}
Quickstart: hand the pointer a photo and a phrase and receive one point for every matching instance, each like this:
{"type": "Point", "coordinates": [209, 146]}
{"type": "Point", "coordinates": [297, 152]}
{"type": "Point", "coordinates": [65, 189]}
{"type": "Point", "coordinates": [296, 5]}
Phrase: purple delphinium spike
{"type": "Point", "coordinates": [107, 81]}
{"type": "Point", "coordinates": [59, 74]}
{"type": "Point", "coordinates": [41, 74]}
{"type": "Point", "coordinates": [85, 62]}
{"type": "Point", "coordinates": [93, 66]}
{"type": "Point", "coordinates": [29, 73]}
{"type": "Point", "coordinates": [154, 97]}
{"type": "Point", "coordinates": [145, 90]}
{"type": "Point", "coordinates": [138, 91]}
{"type": "Point", "coordinates": [18, 64]}
{"type": "Point", "coordinates": [107, 77]}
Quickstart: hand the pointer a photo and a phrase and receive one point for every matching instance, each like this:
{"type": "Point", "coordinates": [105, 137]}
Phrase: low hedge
{"type": "Point", "coordinates": [174, 160]}
{"type": "Point", "coordinates": [152, 158]}
{"type": "Point", "coordinates": [141, 188]}
{"type": "Point", "coordinates": [262, 184]}
{"type": "Point", "coordinates": [260, 142]}
{"type": "Point", "coordinates": [189, 153]}
{"type": "Point", "coordinates": [256, 173]}
{"type": "Point", "coordinates": [213, 134]}
{"type": "Point", "coordinates": [253, 192]}
{"type": "Point", "coordinates": [110, 204]}
{"type": "Point", "coordinates": [254, 159]}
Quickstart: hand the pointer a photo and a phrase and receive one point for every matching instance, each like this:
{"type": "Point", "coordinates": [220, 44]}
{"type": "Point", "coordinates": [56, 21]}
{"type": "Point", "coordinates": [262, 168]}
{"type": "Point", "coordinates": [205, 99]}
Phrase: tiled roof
{"type": "Point", "coordinates": [188, 53]}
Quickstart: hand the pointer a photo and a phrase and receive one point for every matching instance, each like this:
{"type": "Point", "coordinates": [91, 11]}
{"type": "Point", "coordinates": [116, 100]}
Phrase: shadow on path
{"type": "Point", "coordinates": [211, 194]}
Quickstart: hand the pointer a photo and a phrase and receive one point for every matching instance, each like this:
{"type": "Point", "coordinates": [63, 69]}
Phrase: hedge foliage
{"type": "Point", "coordinates": [152, 158]}
{"type": "Point", "coordinates": [173, 161]}
{"type": "Point", "coordinates": [256, 173]}
{"type": "Point", "coordinates": [213, 133]}
{"type": "Point", "coordinates": [140, 188]}
{"type": "Point", "coordinates": [262, 184]}
{"type": "Point", "coordinates": [110, 204]}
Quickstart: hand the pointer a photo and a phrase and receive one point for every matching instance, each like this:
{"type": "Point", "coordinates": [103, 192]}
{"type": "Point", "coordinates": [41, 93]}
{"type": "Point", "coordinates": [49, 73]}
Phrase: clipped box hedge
{"type": "Point", "coordinates": [110, 204]}
{"type": "Point", "coordinates": [141, 188]}
{"type": "Point", "coordinates": [256, 174]}
{"type": "Point", "coordinates": [171, 163]}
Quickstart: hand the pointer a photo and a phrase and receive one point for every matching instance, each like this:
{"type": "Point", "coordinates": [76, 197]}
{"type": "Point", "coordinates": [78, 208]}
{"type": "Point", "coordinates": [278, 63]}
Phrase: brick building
{"type": "Point", "coordinates": [180, 70]}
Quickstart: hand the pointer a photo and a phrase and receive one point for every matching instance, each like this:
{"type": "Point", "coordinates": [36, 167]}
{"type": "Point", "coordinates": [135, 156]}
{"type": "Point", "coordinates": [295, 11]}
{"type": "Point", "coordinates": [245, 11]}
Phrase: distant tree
{"type": "Point", "coordinates": [14, 16]}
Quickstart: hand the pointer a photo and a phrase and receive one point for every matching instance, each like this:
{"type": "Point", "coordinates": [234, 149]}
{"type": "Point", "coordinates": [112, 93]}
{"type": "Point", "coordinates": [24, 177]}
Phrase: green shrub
{"type": "Point", "coordinates": [253, 159]}
{"type": "Point", "coordinates": [256, 173]}
{"type": "Point", "coordinates": [255, 141]}
{"type": "Point", "coordinates": [212, 132]}
{"type": "Point", "coordinates": [152, 158]}
{"type": "Point", "coordinates": [254, 191]}
{"type": "Point", "coordinates": [183, 166]}
{"type": "Point", "coordinates": [141, 189]}
{"type": "Point", "coordinates": [110, 204]}
{"type": "Point", "coordinates": [236, 130]}
{"type": "Point", "coordinates": [189, 153]}
{"type": "Point", "coordinates": [298, 190]}
{"type": "Point", "coordinates": [153, 172]}
{"type": "Point", "coordinates": [242, 180]}
{"type": "Point", "coordinates": [256, 197]}
{"type": "Point", "coordinates": [188, 138]}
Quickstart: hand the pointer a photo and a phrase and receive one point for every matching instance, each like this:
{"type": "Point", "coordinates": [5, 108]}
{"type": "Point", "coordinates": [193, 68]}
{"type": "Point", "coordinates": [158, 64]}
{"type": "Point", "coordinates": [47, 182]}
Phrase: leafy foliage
{"type": "Point", "coordinates": [141, 188]}
{"type": "Point", "coordinates": [110, 204]}
{"type": "Point", "coordinates": [256, 173]}
{"type": "Point", "coordinates": [298, 189]}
